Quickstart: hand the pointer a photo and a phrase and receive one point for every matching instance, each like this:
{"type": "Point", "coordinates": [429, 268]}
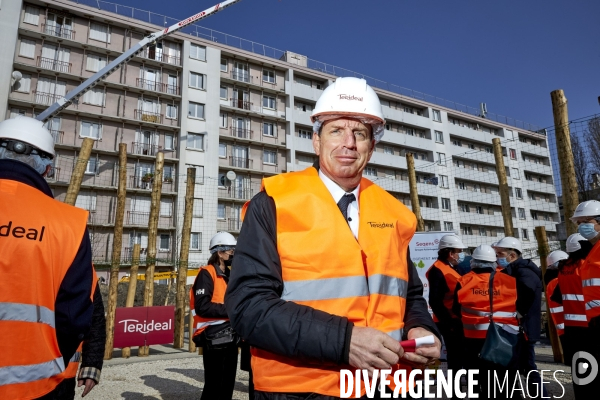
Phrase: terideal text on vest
{"type": "Point", "coordinates": [21, 232]}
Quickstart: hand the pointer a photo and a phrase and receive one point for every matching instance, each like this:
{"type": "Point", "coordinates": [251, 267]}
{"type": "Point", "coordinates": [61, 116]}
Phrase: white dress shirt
{"type": "Point", "coordinates": [337, 193]}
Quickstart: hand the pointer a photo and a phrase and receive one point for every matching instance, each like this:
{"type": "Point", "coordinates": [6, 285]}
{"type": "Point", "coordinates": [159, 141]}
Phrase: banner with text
{"type": "Point", "coordinates": [144, 326]}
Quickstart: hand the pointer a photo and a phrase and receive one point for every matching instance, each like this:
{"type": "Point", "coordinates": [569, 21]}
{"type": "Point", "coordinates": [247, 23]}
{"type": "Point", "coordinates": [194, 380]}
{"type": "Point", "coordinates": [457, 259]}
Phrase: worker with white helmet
{"type": "Point", "coordinates": [212, 330]}
{"type": "Point", "coordinates": [322, 278]}
{"type": "Point", "coordinates": [46, 264]}
{"type": "Point", "coordinates": [472, 306]}
{"type": "Point", "coordinates": [551, 280]}
{"type": "Point", "coordinates": [442, 277]}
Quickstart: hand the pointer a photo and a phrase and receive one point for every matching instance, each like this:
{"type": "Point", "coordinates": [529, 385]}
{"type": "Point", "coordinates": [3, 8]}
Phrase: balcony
{"type": "Point", "coordinates": [138, 218]}
{"type": "Point", "coordinates": [230, 225]}
{"type": "Point", "coordinates": [58, 31]}
{"type": "Point", "coordinates": [240, 162]}
{"type": "Point", "coordinates": [54, 65]}
{"type": "Point", "coordinates": [46, 99]}
{"type": "Point", "coordinates": [148, 116]}
{"type": "Point", "coordinates": [241, 76]}
{"type": "Point", "coordinates": [141, 181]}
{"type": "Point", "coordinates": [240, 190]}
{"type": "Point", "coordinates": [53, 175]}
{"type": "Point", "coordinates": [241, 133]}
{"type": "Point", "coordinates": [151, 54]}
{"type": "Point", "coordinates": [145, 149]}
{"type": "Point", "coordinates": [241, 104]}
{"type": "Point", "coordinates": [156, 86]}
{"type": "Point", "coordinates": [57, 136]}
{"type": "Point", "coordinates": [127, 254]}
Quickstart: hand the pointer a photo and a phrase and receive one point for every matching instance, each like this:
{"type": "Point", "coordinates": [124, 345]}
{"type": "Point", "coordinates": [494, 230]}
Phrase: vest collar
{"type": "Point", "coordinates": [23, 173]}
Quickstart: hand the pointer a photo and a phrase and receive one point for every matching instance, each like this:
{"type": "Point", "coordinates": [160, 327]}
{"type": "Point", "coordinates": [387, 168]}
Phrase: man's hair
{"type": "Point", "coordinates": [443, 254]}
{"type": "Point", "coordinates": [318, 128]}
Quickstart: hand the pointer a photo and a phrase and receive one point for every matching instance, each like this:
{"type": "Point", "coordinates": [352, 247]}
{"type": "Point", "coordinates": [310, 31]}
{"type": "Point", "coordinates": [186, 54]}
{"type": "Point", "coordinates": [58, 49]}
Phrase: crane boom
{"type": "Point", "coordinates": [93, 80]}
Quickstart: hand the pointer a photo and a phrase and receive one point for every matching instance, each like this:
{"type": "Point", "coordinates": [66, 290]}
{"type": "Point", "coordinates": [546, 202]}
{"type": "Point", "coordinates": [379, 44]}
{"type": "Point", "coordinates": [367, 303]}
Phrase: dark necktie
{"type": "Point", "coordinates": [344, 203]}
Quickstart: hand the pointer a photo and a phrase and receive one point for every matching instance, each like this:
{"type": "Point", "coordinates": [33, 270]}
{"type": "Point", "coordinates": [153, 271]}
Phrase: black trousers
{"type": "Point", "coordinates": [220, 367]}
{"type": "Point", "coordinates": [453, 339]}
{"type": "Point", "coordinates": [64, 391]}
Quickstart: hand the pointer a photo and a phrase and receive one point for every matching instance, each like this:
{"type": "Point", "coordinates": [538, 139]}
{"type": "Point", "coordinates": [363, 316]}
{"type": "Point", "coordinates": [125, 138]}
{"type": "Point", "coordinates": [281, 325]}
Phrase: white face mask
{"type": "Point", "coordinates": [33, 160]}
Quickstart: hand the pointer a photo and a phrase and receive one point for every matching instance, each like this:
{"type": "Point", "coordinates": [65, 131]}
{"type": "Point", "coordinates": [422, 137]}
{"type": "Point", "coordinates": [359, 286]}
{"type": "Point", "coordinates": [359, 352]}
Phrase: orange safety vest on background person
{"type": "Point", "coordinates": [218, 296]}
{"type": "Point", "coordinates": [569, 281]}
{"type": "Point", "coordinates": [556, 310]}
{"type": "Point", "coordinates": [474, 299]}
{"type": "Point", "coordinates": [39, 238]}
{"type": "Point", "coordinates": [590, 282]}
{"type": "Point", "coordinates": [452, 278]}
{"type": "Point", "coordinates": [324, 267]}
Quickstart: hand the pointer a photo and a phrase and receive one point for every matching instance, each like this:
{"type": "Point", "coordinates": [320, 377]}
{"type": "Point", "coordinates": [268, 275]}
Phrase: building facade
{"type": "Point", "coordinates": [237, 117]}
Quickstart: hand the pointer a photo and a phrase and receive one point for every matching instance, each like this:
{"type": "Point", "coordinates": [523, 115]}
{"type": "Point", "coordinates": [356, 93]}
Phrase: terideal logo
{"type": "Point", "coordinates": [143, 326]}
{"type": "Point", "coordinates": [350, 97]}
{"type": "Point", "coordinates": [133, 325]}
{"type": "Point", "coordinates": [381, 225]}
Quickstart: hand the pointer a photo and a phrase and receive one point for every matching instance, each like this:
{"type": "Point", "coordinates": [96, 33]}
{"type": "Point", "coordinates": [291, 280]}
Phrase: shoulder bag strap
{"type": "Point", "coordinates": [491, 291]}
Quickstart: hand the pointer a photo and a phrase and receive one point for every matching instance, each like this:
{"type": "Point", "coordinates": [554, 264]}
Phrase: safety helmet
{"type": "Point", "coordinates": [495, 244]}
{"type": "Point", "coordinates": [484, 252]}
{"type": "Point", "coordinates": [510, 243]}
{"type": "Point", "coordinates": [590, 208]}
{"type": "Point", "coordinates": [573, 242]}
{"type": "Point", "coordinates": [451, 242]}
{"type": "Point", "coordinates": [222, 239]}
{"type": "Point", "coordinates": [351, 97]}
{"type": "Point", "coordinates": [29, 131]}
{"type": "Point", "coordinates": [554, 257]}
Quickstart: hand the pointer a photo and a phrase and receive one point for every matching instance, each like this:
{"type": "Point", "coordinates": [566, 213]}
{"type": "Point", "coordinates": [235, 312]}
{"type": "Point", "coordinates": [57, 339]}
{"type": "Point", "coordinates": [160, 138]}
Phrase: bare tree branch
{"type": "Point", "coordinates": [582, 168]}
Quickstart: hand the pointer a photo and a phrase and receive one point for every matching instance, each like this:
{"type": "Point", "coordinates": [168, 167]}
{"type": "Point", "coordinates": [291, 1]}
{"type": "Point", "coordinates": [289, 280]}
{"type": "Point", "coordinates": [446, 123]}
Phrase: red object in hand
{"type": "Point", "coordinates": [410, 346]}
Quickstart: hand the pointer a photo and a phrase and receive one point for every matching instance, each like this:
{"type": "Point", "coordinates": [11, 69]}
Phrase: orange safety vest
{"type": "Point", "coordinates": [39, 238]}
{"type": "Point", "coordinates": [452, 278]}
{"type": "Point", "coordinates": [556, 310]}
{"type": "Point", "coordinates": [569, 280]}
{"type": "Point", "coordinates": [474, 299]}
{"type": "Point", "coordinates": [590, 282]}
{"type": "Point", "coordinates": [220, 286]}
{"type": "Point", "coordinates": [324, 267]}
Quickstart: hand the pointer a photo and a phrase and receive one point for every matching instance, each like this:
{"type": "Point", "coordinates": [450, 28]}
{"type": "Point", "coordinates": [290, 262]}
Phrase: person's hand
{"type": "Point", "coordinates": [426, 354]}
{"type": "Point", "coordinates": [88, 383]}
{"type": "Point", "coordinates": [372, 349]}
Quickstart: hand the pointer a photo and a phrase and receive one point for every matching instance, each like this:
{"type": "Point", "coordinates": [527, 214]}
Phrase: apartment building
{"type": "Point", "coordinates": [237, 117]}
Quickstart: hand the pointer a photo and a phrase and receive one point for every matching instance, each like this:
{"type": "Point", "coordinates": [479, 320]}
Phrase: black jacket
{"type": "Point", "coordinates": [438, 287]}
{"type": "Point", "coordinates": [529, 295]}
{"type": "Point", "coordinates": [95, 341]}
{"type": "Point", "coordinates": [73, 307]}
{"type": "Point", "coordinates": [264, 320]}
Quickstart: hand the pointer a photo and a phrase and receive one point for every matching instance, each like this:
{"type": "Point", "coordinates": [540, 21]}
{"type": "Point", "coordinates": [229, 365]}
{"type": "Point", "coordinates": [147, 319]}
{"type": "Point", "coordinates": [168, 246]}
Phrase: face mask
{"type": "Point", "coordinates": [587, 231]}
{"type": "Point", "coordinates": [229, 261]}
{"type": "Point", "coordinates": [461, 257]}
{"type": "Point", "coordinates": [502, 262]}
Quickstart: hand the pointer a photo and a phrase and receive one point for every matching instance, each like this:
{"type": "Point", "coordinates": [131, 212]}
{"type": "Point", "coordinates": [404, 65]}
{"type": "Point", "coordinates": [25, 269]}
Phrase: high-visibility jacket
{"type": "Point", "coordinates": [452, 278]}
{"type": "Point", "coordinates": [39, 238]}
{"type": "Point", "coordinates": [325, 267]}
{"type": "Point", "coordinates": [556, 310]}
{"type": "Point", "coordinates": [569, 281]}
{"type": "Point", "coordinates": [218, 296]}
{"type": "Point", "coordinates": [590, 281]}
{"type": "Point", "coordinates": [474, 299]}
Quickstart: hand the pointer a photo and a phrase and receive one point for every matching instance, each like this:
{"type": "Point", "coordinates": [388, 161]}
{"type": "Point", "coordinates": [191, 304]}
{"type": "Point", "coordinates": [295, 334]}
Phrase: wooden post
{"type": "Point", "coordinates": [79, 170]}
{"type": "Point", "coordinates": [116, 252]}
{"type": "Point", "coordinates": [152, 234]}
{"type": "Point", "coordinates": [543, 251]}
{"type": "Point", "coordinates": [503, 188]}
{"type": "Point", "coordinates": [191, 344]}
{"type": "Point", "coordinates": [186, 232]}
{"type": "Point", "coordinates": [414, 195]}
{"type": "Point", "coordinates": [135, 263]}
{"type": "Point", "coordinates": [570, 197]}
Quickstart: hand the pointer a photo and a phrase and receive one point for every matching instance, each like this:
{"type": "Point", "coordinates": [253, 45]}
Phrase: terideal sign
{"type": "Point", "coordinates": [144, 326]}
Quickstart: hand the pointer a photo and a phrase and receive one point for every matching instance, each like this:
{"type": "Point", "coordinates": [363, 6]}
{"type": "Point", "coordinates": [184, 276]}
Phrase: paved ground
{"type": "Point", "coordinates": [171, 374]}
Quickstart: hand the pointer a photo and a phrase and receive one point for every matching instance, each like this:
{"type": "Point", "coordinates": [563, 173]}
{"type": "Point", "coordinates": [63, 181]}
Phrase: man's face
{"type": "Point", "coordinates": [344, 147]}
{"type": "Point", "coordinates": [589, 220]}
{"type": "Point", "coordinates": [509, 254]}
{"type": "Point", "coordinates": [454, 256]}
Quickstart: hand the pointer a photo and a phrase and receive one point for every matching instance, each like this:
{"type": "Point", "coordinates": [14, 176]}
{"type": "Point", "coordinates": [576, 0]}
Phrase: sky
{"type": "Point", "coordinates": [509, 54]}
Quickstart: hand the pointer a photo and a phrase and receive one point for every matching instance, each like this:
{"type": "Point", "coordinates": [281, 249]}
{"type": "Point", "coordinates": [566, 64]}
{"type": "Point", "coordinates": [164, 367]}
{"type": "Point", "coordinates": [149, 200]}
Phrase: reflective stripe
{"type": "Point", "coordinates": [76, 357]}
{"type": "Point", "coordinates": [26, 313]}
{"type": "Point", "coordinates": [592, 304]}
{"type": "Point", "coordinates": [31, 373]}
{"type": "Point", "coordinates": [560, 326]}
{"type": "Point", "coordinates": [325, 289]}
{"type": "Point", "coordinates": [572, 297]}
{"type": "Point", "coordinates": [397, 334]}
{"type": "Point", "coordinates": [484, 327]}
{"type": "Point", "coordinates": [555, 310]}
{"type": "Point", "coordinates": [499, 314]}
{"type": "Point", "coordinates": [201, 325]}
{"type": "Point", "coordinates": [388, 285]}
{"type": "Point", "coordinates": [575, 317]}
{"type": "Point", "coordinates": [591, 282]}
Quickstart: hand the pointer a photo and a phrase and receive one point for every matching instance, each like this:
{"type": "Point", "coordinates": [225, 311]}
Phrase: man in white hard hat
{"type": "Point", "coordinates": [46, 266]}
{"type": "Point", "coordinates": [322, 279]}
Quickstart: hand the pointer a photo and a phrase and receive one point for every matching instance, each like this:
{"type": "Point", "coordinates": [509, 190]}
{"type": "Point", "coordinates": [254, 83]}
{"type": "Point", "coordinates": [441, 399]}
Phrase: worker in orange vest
{"type": "Point", "coordinates": [212, 330]}
{"type": "Point", "coordinates": [442, 277]}
{"type": "Point", "coordinates": [472, 306]}
{"type": "Point", "coordinates": [46, 267]}
{"type": "Point", "coordinates": [557, 317]}
{"type": "Point", "coordinates": [322, 278]}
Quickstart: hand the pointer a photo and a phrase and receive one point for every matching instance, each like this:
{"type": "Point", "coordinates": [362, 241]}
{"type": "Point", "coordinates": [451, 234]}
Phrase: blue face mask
{"type": "Point", "coordinates": [461, 257]}
{"type": "Point", "coordinates": [502, 262]}
{"type": "Point", "coordinates": [587, 230]}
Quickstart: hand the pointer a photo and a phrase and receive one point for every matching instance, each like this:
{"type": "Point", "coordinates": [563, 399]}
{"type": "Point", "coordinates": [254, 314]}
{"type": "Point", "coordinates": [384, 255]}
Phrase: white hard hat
{"type": "Point", "coordinates": [351, 97]}
{"type": "Point", "coordinates": [495, 244]}
{"type": "Point", "coordinates": [573, 242]}
{"type": "Point", "coordinates": [510, 243]}
{"type": "Point", "coordinates": [555, 257]}
{"type": "Point", "coordinates": [484, 252]}
{"type": "Point", "coordinates": [590, 208]}
{"type": "Point", "coordinates": [222, 239]}
{"type": "Point", "coordinates": [30, 131]}
{"type": "Point", "coordinates": [451, 242]}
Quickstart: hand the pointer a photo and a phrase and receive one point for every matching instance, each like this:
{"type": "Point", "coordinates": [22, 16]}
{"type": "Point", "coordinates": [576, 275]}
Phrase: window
{"type": "Point", "coordinates": [27, 48]}
{"type": "Point", "coordinates": [196, 110]}
{"type": "Point", "coordinates": [268, 76]}
{"type": "Point", "coordinates": [437, 116]}
{"type": "Point", "coordinates": [198, 52]}
{"type": "Point", "coordinates": [223, 65]}
{"type": "Point", "coordinates": [169, 142]}
{"type": "Point", "coordinates": [515, 173]}
{"type": "Point", "coordinates": [90, 168]}
{"type": "Point", "coordinates": [269, 129]}
{"type": "Point", "coordinates": [465, 207]}
{"type": "Point", "coordinates": [268, 102]}
{"type": "Point", "coordinates": [172, 111]}
{"type": "Point", "coordinates": [222, 150]}
{"type": "Point", "coordinates": [457, 143]}
{"type": "Point", "coordinates": [270, 157]}
{"type": "Point", "coordinates": [467, 230]}
{"type": "Point", "coordinates": [32, 15]}
{"type": "Point", "coordinates": [446, 204]}
{"type": "Point", "coordinates": [91, 129]}
{"type": "Point", "coordinates": [524, 234]}
{"type": "Point", "coordinates": [223, 92]}
{"type": "Point", "coordinates": [479, 210]}
{"type": "Point", "coordinates": [195, 141]}
{"type": "Point", "coordinates": [99, 32]}
{"type": "Point", "coordinates": [482, 231]}
{"type": "Point", "coordinates": [195, 239]}
{"type": "Point", "coordinates": [199, 173]}
{"type": "Point", "coordinates": [462, 186]}
{"type": "Point", "coordinates": [370, 171]}
{"type": "Point", "coordinates": [94, 96]}
{"type": "Point", "coordinates": [448, 226]}
{"type": "Point", "coordinates": [24, 85]}
{"type": "Point", "coordinates": [388, 150]}
{"type": "Point", "coordinates": [304, 134]}
{"type": "Point", "coordinates": [521, 213]}
{"type": "Point", "coordinates": [489, 150]}
{"type": "Point", "coordinates": [86, 200]}
{"type": "Point", "coordinates": [198, 208]}
{"type": "Point", "coordinates": [168, 174]}
{"type": "Point", "coordinates": [441, 158]}
{"type": "Point", "coordinates": [471, 146]}
{"type": "Point", "coordinates": [166, 208]}
{"type": "Point", "coordinates": [197, 81]}
{"type": "Point", "coordinates": [476, 188]}
{"type": "Point", "coordinates": [165, 241]}
{"type": "Point", "coordinates": [518, 193]}
{"type": "Point", "coordinates": [439, 137]}
{"type": "Point", "coordinates": [534, 215]}
{"type": "Point", "coordinates": [220, 211]}
{"type": "Point", "coordinates": [95, 62]}
{"type": "Point", "coordinates": [444, 181]}
{"type": "Point", "coordinates": [513, 154]}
